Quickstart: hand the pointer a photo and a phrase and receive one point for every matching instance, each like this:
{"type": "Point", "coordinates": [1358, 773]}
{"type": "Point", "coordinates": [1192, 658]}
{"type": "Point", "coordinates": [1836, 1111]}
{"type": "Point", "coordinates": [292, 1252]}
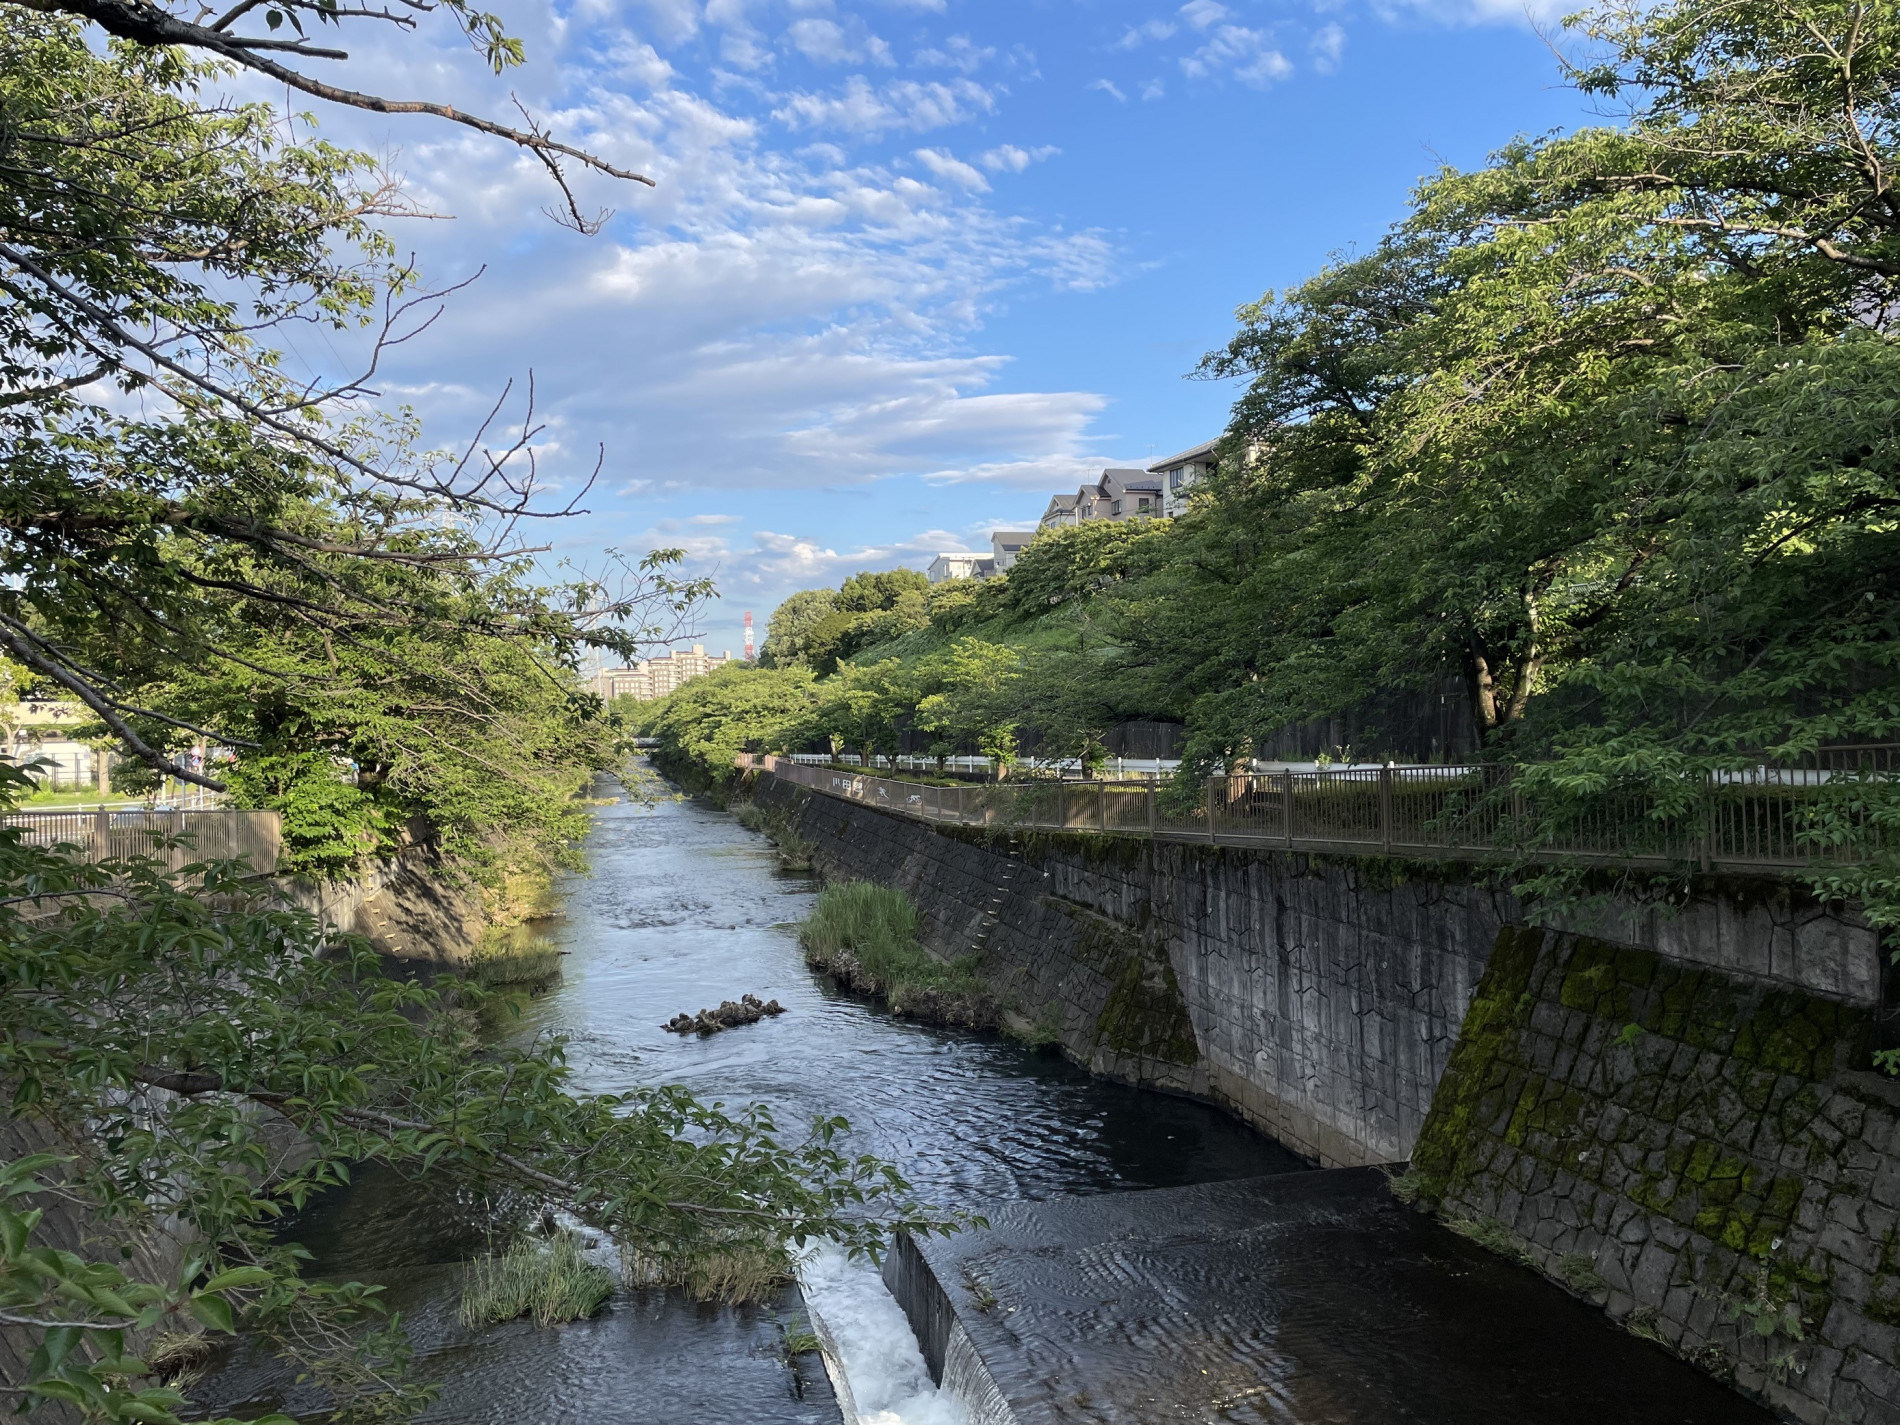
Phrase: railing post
{"type": "Point", "coordinates": [1151, 811]}
{"type": "Point", "coordinates": [102, 835]}
{"type": "Point", "coordinates": [1385, 807]}
{"type": "Point", "coordinates": [1210, 807]}
{"type": "Point", "coordinates": [1286, 814]}
{"type": "Point", "coordinates": [1101, 805]}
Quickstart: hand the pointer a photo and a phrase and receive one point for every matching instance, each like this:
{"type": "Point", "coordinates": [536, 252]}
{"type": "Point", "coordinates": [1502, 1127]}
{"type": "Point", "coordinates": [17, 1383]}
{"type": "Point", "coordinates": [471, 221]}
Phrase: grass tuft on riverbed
{"type": "Point", "coordinates": [738, 1271]}
{"type": "Point", "coordinates": [865, 935]}
{"type": "Point", "coordinates": [547, 1279]}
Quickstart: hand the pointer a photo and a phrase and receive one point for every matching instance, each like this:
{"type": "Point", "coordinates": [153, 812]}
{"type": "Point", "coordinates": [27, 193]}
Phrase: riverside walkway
{"type": "Point", "coordinates": [1767, 819]}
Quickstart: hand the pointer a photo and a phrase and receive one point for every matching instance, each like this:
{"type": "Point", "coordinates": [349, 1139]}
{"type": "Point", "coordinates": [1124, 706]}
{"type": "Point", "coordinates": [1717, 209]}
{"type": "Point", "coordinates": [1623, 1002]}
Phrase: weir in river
{"type": "Point", "coordinates": [1342, 1307]}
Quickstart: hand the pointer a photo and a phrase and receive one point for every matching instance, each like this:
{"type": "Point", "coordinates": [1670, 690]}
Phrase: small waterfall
{"type": "Point", "coordinates": [969, 1382]}
{"type": "Point", "coordinates": [886, 1380]}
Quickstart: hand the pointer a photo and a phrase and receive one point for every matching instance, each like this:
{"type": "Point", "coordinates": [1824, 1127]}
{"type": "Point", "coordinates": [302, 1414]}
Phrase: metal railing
{"type": "Point", "coordinates": [1836, 806]}
{"type": "Point", "coordinates": [176, 837]}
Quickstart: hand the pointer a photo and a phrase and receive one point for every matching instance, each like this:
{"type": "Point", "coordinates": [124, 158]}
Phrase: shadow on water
{"type": "Point", "coordinates": [683, 909]}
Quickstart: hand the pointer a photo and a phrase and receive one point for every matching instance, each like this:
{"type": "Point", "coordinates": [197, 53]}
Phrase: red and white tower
{"type": "Point", "coordinates": [748, 635]}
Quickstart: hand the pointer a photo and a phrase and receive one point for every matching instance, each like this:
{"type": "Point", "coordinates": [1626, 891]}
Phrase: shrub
{"type": "Point", "coordinates": [866, 936]}
{"type": "Point", "coordinates": [550, 1280]}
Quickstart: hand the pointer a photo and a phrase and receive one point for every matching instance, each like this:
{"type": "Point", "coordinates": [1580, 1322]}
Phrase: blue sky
{"type": "Point", "coordinates": [911, 265]}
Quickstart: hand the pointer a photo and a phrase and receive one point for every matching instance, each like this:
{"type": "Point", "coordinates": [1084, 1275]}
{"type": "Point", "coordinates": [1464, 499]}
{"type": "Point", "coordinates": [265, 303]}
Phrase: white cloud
{"type": "Point", "coordinates": [1476, 12]}
{"type": "Point", "coordinates": [826, 42]}
{"type": "Point", "coordinates": [1244, 53]}
{"type": "Point", "coordinates": [1010, 159]}
{"type": "Point", "coordinates": [955, 170]}
{"type": "Point", "coordinates": [1204, 13]}
{"type": "Point", "coordinates": [957, 52]}
{"type": "Point", "coordinates": [1327, 45]}
{"type": "Point", "coordinates": [1139, 35]}
{"type": "Point", "coordinates": [672, 21]}
{"type": "Point", "coordinates": [1107, 86]}
{"type": "Point", "coordinates": [905, 105]}
{"type": "Point", "coordinates": [1154, 89]}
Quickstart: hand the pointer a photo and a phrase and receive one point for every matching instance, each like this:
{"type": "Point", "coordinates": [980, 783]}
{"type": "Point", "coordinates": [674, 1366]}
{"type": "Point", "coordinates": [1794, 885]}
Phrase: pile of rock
{"type": "Point", "coordinates": [748, 1010]}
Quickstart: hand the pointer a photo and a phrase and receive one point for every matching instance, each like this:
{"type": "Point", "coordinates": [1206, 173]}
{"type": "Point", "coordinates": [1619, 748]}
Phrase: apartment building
{"type": "Point", "coordinates": [656, 677]}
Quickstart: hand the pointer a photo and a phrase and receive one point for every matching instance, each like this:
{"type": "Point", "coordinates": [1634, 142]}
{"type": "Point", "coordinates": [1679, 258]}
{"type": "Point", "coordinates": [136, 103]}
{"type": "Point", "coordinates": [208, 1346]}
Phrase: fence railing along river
{"type": "Point", "coordinates": [1831, 808]}
{"type": "Point", "coordinates": [176, 836]}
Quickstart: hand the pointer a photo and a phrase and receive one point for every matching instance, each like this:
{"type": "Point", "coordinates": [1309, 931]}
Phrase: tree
{"type": "Point", "coordinates": [196, 546]}
{"type": "Point", "coordinates": [150, 242]}
{"type": "Point", "coordinates": [865, 705]}
{"type": "Point", "coordinates": [703, 725]}
{"type": "Point", "coordinates": [976, 699]}
{"type": "Point", "coordinates": [870, 609]}
{"type": "Point", "coordinates": [165, 1032]}
{"type": "Point", "coordinates": [788, 633]}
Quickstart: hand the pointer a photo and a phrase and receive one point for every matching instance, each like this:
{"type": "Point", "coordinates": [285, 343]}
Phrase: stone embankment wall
{"type": "Point", "coordinates": [1666, 1108]}
{"type": "Point", "coordinates": [405, 907]}
{"type": "Point", "coordinates": [1700, 1152]}
{"type": "Point", "coordinates": [1320, 1000]}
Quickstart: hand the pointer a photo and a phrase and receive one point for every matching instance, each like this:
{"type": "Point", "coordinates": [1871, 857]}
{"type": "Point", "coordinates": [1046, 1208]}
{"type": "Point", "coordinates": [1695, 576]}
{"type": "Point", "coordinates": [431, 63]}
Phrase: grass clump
{"type": "Point", "coordinates": [1580, 1273]}
{"type": "Point", "coordinates": [513, 955]}
{"type": "Point", "coordinates": [735, 1272]}
{"type": "Point", "coordinates": [1493, 1236]}
{"type": "Point", "coordinates": [800, 1340]}
{"type": "Point", "coordinates": [776, 825]}
{"type": "Point", "coordinates": [1405, 1186]}
{"type": "Point", "coordinates": [865, 936]}
{"type": "Point", "coordinates": [547, 1279]}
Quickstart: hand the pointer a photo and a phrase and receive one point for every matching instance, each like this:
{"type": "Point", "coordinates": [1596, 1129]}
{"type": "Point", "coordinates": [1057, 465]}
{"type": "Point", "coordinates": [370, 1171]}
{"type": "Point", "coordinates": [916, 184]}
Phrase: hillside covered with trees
{"type": "Point", "coordinates": [1601, 434]}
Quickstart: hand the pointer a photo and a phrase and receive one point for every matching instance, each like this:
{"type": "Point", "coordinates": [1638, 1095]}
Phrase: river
{"type": "Point", "coordinates": [684, 908]}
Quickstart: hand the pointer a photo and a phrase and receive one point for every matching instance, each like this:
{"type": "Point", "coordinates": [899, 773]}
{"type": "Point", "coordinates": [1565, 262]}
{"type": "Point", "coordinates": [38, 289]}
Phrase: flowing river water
{"type": "Point", "coordinates": [684, 908]}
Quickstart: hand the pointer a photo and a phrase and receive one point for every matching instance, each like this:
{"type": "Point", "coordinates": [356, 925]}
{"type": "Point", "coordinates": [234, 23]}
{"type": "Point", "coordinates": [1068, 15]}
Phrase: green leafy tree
{"type": "Point", "coordinates": [976, 700]}
{"type": "Point", "coordinates": [167, 1035]}
{"type": "Point", "coordinates": [788, 633]}
{"type": "Point", "coordinates": [703, 725]}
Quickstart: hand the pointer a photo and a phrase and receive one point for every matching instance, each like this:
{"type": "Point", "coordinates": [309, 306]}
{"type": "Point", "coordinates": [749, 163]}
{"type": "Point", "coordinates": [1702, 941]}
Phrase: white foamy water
{"type": "Point", "coordinates": [889, 1382]}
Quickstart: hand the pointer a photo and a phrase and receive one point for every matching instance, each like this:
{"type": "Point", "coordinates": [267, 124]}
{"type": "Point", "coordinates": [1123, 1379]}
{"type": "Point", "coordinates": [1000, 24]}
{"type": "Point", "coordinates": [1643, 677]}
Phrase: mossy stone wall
{"type": "Point", "coordinates": [1704, 1154]}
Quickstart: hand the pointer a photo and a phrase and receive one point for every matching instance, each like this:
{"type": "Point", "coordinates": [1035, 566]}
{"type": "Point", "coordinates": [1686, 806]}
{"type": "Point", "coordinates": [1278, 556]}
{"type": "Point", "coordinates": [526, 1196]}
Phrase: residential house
{"type": "Point", "coordinates": [42, 730]}
{"type": "Point", "coordinates": [656, 677]}
{"type": "Point", "coordinates": [1007, 545]}
{"type": "Point", "coordinates": [959, 565]}
{"type": "Point", "coordinates": [1120, 494]}
{"type": "Point", "coordinates": [1179, 473]}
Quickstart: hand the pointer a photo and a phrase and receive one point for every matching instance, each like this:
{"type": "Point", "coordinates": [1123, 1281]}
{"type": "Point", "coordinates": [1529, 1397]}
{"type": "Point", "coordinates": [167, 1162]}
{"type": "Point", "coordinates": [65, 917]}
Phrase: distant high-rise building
{"type": "Point", "coordinates": [656, 677]}
{"type": "Point", "coordinates": [748, 635]}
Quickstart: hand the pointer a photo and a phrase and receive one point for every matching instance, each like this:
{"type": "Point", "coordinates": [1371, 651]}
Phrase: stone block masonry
{"type": "Point", "coordinates": [1701, 1152]}
{"type": "Point", "coordinates": [1319, 1002]}
{"type": "Point", "coordinates": [1667, 1109]}
{"type": "Point", "coordinates": [1319, 999]}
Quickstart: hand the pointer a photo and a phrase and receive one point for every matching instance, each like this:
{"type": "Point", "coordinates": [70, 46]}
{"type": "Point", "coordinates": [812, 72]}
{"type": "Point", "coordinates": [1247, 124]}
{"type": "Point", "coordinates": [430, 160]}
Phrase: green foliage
{"type": "Point", "coordinates": [788, 633]}
{"type": "Point", "coordinates": [164, 1031]}
{"type": "Point", "coordinates": [704, 724]}
{"type": "Point", "coordinates": [869, 609]}
{"type": "Point", "coordinates": [218, 553]}
{"type": "Point", "coordinates": [866, 935]}
{"type": "Point", "coordinates": [1080, 560]}
{"type": "Point", "coordinates": [550, 1280]}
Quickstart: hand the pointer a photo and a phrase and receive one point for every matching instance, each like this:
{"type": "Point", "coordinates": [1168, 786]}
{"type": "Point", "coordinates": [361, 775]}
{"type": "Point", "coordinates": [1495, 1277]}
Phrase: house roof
{"type": "Point", "coordinates": [1186, 457]}
{"type": "Point", "coordinates": [1117, 482]}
